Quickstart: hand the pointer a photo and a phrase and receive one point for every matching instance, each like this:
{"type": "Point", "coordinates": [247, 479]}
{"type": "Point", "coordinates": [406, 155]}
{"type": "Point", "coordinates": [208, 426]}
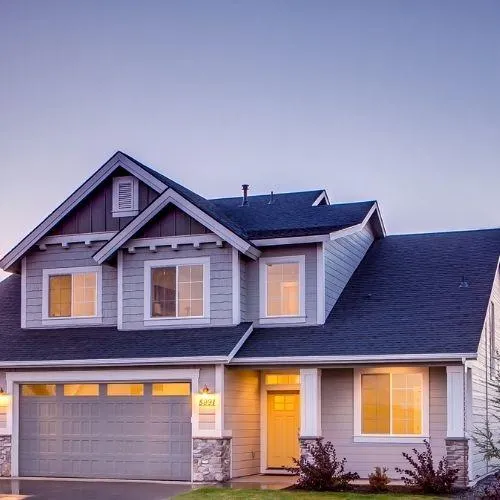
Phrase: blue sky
{"type": "Point", "coordinates": [391, 100]}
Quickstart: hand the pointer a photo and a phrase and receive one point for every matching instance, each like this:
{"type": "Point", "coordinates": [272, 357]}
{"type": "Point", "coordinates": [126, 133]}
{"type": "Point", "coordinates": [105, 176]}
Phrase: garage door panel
{"type": "Point", "coordinates": [130, 437]}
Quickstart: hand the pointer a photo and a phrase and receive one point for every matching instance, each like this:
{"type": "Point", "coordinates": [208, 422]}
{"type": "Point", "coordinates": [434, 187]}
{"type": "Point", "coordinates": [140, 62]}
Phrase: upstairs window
{"type": "Point", "coordinates": [125, 196]}
{"type": "Point", "coordinates": [282, 288]}
{"type": "Point", "coordinates": [71, 293]}
{"type": "Point", "coordinates": [176, 289]}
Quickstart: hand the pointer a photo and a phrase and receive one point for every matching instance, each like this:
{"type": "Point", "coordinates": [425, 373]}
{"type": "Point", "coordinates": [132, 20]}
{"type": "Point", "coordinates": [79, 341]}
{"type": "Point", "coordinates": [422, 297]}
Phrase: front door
{"type": "Point", "coordinates": [283, 423]}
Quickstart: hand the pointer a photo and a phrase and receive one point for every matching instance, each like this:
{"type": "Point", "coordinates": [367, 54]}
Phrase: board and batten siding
{"type": "Point", "coordinates": [342, 257]}
{"type": "Point", "coordinates": [242, 418]}
{"type": "Point", "coordinates": [55, 257]}
{"type": "Point", "coordinates": [337, 414]}
{"type": "Point", "coordinates": [482, 408]}
{"type": "Point", "coordinates": [311, 291]}
{"type": "Point", "coordinates": [221, 304]}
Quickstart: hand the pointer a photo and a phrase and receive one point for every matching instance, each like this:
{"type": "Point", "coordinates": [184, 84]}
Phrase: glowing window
{"type": "Point", "coordinates": [81, 390]}
{"type": "Point", "coordinates": [38, 390]}
{"type": "Point", "coordinates": [283, 289]}
{"type": "Point", "coordinates": [73, 295]}
{"type": "Point", "coordinates": [391, 403]}
{"type": "Point", "coordinates": [282, 379]}
{"type": "Point", "coordinates": [172, 389]}
{"type": "Point", "coordinates": [125, 390]}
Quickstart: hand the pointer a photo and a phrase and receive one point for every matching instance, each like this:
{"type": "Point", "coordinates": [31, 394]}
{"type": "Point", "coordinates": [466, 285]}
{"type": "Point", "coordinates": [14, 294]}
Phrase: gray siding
{"type": "Point", "coordinates": [311, 290]}
{"type": "Point", "coordinates": [242, 418]}
{"type": "Point", "coordinates": [338, 423]}
{"type": "Point", "coordinates": [77, 255]}
{"type": "Point", "coordinates": [342, 257]}
{"type": "Point", "coordinates": [221, 305]}
{"type": "Point", "coordinates": [482, 408]}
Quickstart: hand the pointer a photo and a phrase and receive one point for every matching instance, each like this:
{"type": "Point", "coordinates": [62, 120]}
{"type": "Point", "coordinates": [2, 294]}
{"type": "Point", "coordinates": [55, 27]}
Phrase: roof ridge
{"type": "Point", "coordinates": [451, 232]}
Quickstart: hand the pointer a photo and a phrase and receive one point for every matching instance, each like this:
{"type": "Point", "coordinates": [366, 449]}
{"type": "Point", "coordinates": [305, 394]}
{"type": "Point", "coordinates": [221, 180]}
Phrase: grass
{"type": "Point", "coordinates": [248, 494]}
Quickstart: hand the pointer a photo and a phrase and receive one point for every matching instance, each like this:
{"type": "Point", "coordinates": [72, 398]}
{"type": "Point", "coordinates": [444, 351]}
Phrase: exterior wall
{"type": "Point", "coordinates": [481, 408]}
{"type": "Point", "coordinates": [221, 305]}
{"type": "Point", "coordinates": [211, 459]}
{"type": "Point", "coordinates": [243, 289]}
{"type": "Point", "coordinates": [94, 214]}
{"type": "Point", "coordinates": [342, 257]}
{"type": "Point", "coordinates": [311, 290]}
{"type": "Point", "coordinates": [338, 423]}
{"type": "Point", "coordinates": [57, 257]}
{"type": "Point", "coordinates": [242, 418]}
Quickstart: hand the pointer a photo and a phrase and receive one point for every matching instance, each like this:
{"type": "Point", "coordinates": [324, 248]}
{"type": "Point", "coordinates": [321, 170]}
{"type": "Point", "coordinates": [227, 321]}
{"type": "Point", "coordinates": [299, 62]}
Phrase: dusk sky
{"type": "Point", "coordinates": [397, 101]}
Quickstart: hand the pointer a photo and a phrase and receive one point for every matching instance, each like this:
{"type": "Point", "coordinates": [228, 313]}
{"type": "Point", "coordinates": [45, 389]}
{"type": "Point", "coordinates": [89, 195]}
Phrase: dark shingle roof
{"type": "Point", "coordinates": [103, 342]}
{"type": "Point", "coordinates": [404, 298]}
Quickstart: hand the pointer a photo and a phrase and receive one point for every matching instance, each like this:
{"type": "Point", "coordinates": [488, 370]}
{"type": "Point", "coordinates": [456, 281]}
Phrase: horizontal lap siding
{"type": "Point", "coordinates": [483, 407]}
{"type": "Point", "coordinates": [311, 291]}
{"type": "Point", "coordinates": [221, 305]}
{"type": "Point", "coordinates": [242, 418]}
{"type": "Point", "coordinates": [342, 257]}
{"type": "Point", "coordinates": [338, 423]}
{"type": "Point", "coordinates": [243, 289]}
{"type": "Point", "coordinates": [77, 255]}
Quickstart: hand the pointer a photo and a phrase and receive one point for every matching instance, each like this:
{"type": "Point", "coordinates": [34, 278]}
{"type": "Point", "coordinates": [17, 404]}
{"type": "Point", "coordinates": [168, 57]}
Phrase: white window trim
{"type": "Point", "coordinates": [391, 438]}
{"type": "Point", "coordinates": [195, 320]}
{"type": "Point", "coordinates": [71, 321]}
{"type": "Point", "coordinates": [264, 319]}
{"type": "Point", "coordinates": [135, 196]}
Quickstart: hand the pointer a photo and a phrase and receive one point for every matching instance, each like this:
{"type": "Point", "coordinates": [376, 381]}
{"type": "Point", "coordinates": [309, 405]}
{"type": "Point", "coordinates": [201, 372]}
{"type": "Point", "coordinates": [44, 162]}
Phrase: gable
{"type": "Point", "coordinates": [171, 221]}
{"type": "Point", "coordinates": [94, 214]}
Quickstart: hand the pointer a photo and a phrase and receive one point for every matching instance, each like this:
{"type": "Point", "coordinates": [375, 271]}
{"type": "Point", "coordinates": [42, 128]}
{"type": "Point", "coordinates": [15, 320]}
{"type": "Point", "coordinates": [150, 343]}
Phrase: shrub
{"type": "Point", "coordinates": [424, 476]}
{"type": "Point", "coordinates": [320, 470]}
{"type": "Point", "coordinates": [490, 490]}
{"type": "Point", "coordinates": [379, 479]}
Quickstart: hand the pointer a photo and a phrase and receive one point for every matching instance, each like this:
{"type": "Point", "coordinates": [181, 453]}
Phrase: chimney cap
{"type": "Point", "coordinates": [245, 194]}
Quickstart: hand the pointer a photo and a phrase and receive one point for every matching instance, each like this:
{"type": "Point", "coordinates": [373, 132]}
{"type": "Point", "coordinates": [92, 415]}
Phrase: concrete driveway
{"type": "Point", "coordinates": [49, 489]}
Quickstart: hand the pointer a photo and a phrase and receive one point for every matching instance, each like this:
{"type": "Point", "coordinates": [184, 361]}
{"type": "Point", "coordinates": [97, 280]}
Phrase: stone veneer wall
{"type": "Point", "coordinates": [211, 459]}
{"type": "Point", "coordinates": [304, 441]}
{"type": "Point", "coordinates": [5, 449]}
{"type": "Point", "coordinates": [457, 454]}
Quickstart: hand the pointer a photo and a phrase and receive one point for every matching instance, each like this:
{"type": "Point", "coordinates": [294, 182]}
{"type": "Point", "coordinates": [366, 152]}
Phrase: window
{"type": "Point", "coordinates": [71, 293]}
{"type": "Point", "coordinates": [172, 389]}
{"type": "Point", "coordinates": [392, 402]}
{"type": "Point", "coordinates": [282, 379]}
{"type": "Point", "coordinates": [81, 390]}
{"type": "Point", "coordinates": [125, 196]}
{"type": "Point", "coordinates": [176, 290]}
{"type": "Point", "coordinates": [125, 390]}
{"type": "Point", "coordinates": [282, 289]}
{"type": "Point", "coordinates": [38, 390]}
{"type": "Point", "coordinates": [492, 340]}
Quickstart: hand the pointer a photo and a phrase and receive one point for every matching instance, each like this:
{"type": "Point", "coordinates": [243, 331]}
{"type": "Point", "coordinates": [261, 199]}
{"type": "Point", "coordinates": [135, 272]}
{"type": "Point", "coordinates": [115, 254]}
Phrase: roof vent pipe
{"type": "Point", "coordinates": [245, 194]}
{"type": "Point", "coordinates": [271, 199]}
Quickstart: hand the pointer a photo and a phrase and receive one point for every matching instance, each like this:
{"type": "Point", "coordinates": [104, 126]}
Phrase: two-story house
{"type": "Point", "coordinates": [150, 333]}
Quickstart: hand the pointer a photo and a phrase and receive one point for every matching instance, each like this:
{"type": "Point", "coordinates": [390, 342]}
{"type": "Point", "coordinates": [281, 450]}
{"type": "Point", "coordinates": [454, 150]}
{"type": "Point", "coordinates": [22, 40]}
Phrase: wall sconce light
{"type": "Point", "coordinates": [205, 390]}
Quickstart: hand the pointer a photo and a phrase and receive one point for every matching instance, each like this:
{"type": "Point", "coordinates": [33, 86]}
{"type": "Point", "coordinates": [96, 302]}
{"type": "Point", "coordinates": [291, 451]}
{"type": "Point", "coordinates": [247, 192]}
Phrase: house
{"type": "Point", "coordinates": [150, 333]}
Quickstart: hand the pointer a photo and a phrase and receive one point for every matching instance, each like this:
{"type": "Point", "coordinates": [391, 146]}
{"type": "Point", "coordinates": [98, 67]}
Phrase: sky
{"type": "Point", "coordinates": [397, 101]}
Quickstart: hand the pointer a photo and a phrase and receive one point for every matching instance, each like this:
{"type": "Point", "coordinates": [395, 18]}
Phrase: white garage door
{"type": "Point", "coordinates": [112, 430]}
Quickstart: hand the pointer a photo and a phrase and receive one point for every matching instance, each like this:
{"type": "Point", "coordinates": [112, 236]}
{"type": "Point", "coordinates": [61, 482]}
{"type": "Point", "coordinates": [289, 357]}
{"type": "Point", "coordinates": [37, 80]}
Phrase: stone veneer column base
{"type": "Point", "coordinates": [5, 449]}
{"type": "Point", "coordinates": [304, 441]}
{"type": "Point", "coordinates": [211, 459]}
{"type": "Point", "coordinates": [457, 454]}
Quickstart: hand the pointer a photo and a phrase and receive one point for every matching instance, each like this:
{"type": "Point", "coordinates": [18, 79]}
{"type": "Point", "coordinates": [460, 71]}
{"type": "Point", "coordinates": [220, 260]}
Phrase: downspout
{"type": "Point", "coordinates": [465, 436]}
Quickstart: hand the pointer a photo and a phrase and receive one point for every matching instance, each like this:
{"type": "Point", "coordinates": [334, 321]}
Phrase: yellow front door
{"type": "Point", "coordinates": [283, 423]}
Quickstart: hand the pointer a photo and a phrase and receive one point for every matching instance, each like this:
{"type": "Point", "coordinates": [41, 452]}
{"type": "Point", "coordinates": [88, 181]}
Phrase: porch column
{"type": "Point", "coordinates": [457, 445]}
{"type": "Point", "coordinates": [310, 403]}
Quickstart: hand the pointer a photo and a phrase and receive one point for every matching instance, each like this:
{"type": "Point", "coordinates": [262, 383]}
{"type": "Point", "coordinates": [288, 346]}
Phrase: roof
{"type": "Point", "coordinates": [291, 214]}
{"type": "Point", "coordinates": [404, 298]}
{"type": "Point", "coordinates": [103, 342]}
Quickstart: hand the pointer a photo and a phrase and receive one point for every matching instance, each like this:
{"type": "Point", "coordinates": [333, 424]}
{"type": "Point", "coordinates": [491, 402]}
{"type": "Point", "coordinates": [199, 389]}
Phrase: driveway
{"type": "Point", "coordinates": [48, 489]}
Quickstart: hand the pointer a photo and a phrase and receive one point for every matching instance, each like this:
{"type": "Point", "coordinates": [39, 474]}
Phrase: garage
{"type": "Point", "coordinates": [106, 430]}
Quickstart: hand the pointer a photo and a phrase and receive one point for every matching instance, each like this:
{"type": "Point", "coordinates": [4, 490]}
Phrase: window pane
{"type": "Point", "coordinates": [38, 390]}
{"type": "Point", "coordinates": [282, 379]}
{"type": "Point", "coordinates": [60, 296]}
{"type": "Point", "coordinates": [81, 390]}
{"type": "Point", "coordinates": [172, 389]}
{"type": "Point", "coordinates": [84, 294]}
{"type": "Point", "coordinates": [125, 389]}
{"type": "Point", "coordinates": [375, 397]}
{"type": "Point", "coordinates": [407, 403]}
{"type": "Point", "coordinates": [283, 291]}
{"type": "Point", "coordinates": [190, 296]}
{"type": "Point", "coordinates": [163, 292]}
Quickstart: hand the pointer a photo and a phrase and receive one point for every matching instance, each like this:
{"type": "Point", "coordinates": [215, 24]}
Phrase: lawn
{"type": "Point", "coordinates": [246, 494]}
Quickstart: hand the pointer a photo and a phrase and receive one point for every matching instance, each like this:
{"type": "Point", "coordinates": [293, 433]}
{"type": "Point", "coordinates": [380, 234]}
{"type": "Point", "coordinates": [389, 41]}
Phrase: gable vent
{"type": "Point", "coordinates": [125, 196]}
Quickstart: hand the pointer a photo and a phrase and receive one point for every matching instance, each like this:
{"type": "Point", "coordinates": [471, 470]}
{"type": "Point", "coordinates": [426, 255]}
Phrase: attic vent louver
{"type": "Point", "coordinates": [125, 196]}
